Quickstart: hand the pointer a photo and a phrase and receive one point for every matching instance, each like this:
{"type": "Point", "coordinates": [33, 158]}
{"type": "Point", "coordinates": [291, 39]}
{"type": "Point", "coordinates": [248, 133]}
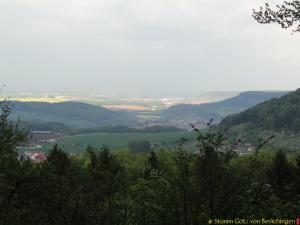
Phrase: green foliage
{"type": "Point", "coordinates": [10, 134]}
{"type": "Point", "coordinates": [278, 117]}
{"type": "Point", "coordinates": [47, 126]}
{"type": "Point", "coordinates": [276, 114]}
{"type": "Point", "coordinates": [281, 175]}
{"type": "Point", "coordinates": [118, 141]}
{"type": "Point", "coordinates": [213, 178]}
{"type": "Point", "coordinates": [139, 146]}
{"type": "Point", "coordinates": [162, 187]}
{"type": "Point", "coordinates": [58, 160]}
{"type": "Point", "coordinates": [219, 110]}
{"type": "Point", "coordinates": [72, 114]}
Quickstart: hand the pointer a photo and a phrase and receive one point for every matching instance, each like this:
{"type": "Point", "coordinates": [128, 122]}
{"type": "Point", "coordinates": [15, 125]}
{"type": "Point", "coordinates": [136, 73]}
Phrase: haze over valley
{"type": "Point", "coordinates": [119, 102]}
{"type": "Point", "coordinates": [99, 111]}
{"type": "Point", "coordinates": [149, 112]}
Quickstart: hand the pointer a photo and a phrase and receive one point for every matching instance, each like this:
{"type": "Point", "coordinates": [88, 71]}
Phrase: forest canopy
{"type": "Point", "coordinates": [177, 186]}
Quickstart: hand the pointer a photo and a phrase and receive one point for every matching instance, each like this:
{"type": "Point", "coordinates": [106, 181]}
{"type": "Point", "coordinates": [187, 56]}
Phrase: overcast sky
{"type": "Point", "coordinates": [143, 47]}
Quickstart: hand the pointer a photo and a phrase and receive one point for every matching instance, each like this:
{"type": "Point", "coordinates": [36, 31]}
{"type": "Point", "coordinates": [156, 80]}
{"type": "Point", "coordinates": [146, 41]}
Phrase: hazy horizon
{"type": "Point", "coordinates": [143, 48]}
{"type": "Point", "coordinates": [122, 95]}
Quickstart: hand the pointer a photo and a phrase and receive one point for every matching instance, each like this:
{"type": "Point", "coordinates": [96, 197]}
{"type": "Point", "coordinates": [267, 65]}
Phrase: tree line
{"type": "Point", "coordinates": [180, 187]}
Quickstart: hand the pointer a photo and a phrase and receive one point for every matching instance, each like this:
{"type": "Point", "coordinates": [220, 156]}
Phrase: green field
{"type": "Point", "coordinates": [118, 141]}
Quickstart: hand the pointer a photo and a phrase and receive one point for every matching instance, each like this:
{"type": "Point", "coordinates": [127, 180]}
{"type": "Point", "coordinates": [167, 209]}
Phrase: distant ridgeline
{"type": "Point", "coordinates": [46, 126]}
{"type": "Point", "coordinates": [276, 114]}
{"type": "Point", "coordinates": [60, 127]}
{"type": "Point", "coordinates": [70, 114]}
{"type": "Point", "coordinates": [219, 110]}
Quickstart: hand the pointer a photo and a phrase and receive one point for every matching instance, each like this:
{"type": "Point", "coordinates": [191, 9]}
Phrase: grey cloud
{"type": "Point", "coordinates": [143, 47]}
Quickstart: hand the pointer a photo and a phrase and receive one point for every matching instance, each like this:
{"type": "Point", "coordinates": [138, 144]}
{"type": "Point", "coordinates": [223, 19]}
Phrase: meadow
{"type": "Point", "coordinates": [120, 141]}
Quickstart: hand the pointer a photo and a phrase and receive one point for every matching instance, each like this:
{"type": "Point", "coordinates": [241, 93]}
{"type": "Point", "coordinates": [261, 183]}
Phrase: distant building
{"type": "Point", "coordinates": [36, 156]}
{"type": "Point", "coordinates": [41, 132]}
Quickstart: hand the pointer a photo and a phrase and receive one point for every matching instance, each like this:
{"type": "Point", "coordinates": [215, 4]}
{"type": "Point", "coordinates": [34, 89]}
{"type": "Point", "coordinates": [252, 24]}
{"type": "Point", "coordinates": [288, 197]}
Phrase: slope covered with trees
{"type": "Point", "coordinates": [219, 110]}
{"type": "Point", "coordinates": [164, 187]}
{"type": "Point", "coordinates": [69, 115]}
{"type": "Point", "coordinates": [276, 114]}
{"type": "Point", "coordinates": [74, 114]}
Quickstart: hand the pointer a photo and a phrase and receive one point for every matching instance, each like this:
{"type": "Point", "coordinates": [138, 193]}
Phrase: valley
{"type": "Point", "coordinates": [119, 141]}
{"type": "Point", "coordinates": [81, 124]}
{"type": "Point", "coordinates": [115, 102]}
{"type": "Point", "coordinates": [150, 112]}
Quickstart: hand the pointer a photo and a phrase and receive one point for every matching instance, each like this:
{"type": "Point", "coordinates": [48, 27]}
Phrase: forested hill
{"type": "Point", "coordinates": [82, 115]}
{"type": "Point", "coordinates": [74, 114]}
{"type": "Point", "coordinates": [276, 114]}
{"type": "Point", "coordinates": [219, 110]}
